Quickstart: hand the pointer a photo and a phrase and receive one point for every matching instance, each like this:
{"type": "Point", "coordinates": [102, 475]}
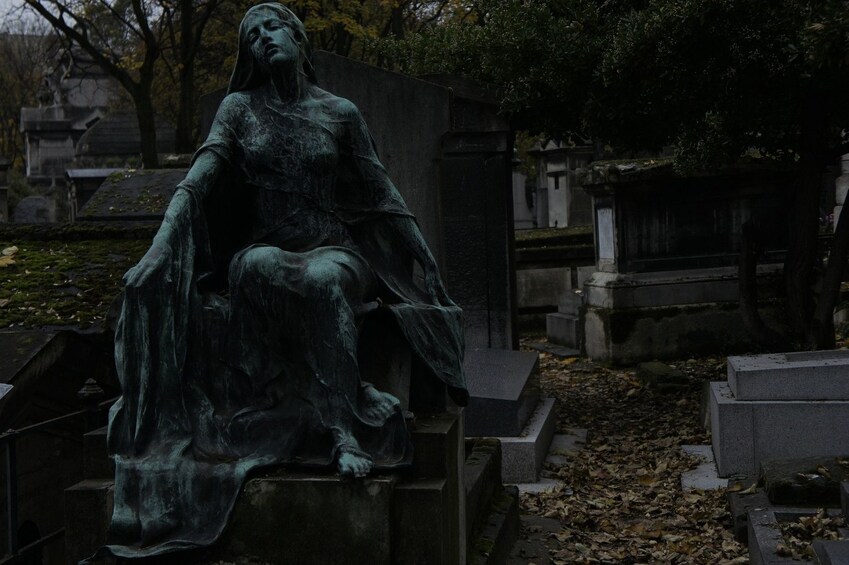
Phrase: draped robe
{"type": "Point", "coordinates": [212, 384]}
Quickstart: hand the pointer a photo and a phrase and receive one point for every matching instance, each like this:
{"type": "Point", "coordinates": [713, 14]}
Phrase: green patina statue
{"type": "Point", "coordinates": [241, 339]}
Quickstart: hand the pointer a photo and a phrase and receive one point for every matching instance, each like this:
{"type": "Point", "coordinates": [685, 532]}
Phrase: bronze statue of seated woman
{"type": "Point", "coordinates": [241, 338]}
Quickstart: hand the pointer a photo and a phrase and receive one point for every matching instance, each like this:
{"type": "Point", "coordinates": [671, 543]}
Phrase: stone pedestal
{"type": "Point", "coordinates": [416, 516]}
{"type": "Point", "coordinates": [505, 403]}
{"type": "Point", "coordinates": [779, 406]}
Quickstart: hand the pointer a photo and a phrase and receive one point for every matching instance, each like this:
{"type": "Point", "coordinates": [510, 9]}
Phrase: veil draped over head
{"type": "Point", "coordinates": [247, 74]}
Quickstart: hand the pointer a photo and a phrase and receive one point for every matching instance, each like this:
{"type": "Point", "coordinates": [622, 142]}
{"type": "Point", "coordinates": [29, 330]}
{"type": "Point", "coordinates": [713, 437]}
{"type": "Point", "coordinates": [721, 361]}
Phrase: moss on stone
{"type": "Point", "coordinates": [64, 283]}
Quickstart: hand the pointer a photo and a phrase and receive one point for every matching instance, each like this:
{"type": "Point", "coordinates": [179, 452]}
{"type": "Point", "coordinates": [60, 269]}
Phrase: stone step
{"type": "Point", "coordinates": [522, 456]}
{"type": "Point", "coordinates": [563, 329]}
{"type": "Point", "coordinates": [481, 478]}
{"type": "Point", "coordinates": [805, 375]}
{"type": "Point", "coordinates": [504, 389]}
{"type": "Point", "coordinates": [831, 552]}
{"type": "Point", "coordinates": [744, 433]}
{"type": "Point", "coordinates": [493, 545]}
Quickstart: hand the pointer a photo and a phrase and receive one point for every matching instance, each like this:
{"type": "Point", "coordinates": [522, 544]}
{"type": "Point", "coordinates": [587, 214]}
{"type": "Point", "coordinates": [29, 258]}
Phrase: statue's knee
{"type": "Point", "coordinates": [322, 281]}
{"type": "Point", "coordinates": [259, 262]}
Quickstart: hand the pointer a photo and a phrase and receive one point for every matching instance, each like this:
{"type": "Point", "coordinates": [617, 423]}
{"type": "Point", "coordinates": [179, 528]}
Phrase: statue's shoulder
{"type": "Point", "coordinates": [335, 105]}
{"type": "Point", "coordinates": [234, 104]}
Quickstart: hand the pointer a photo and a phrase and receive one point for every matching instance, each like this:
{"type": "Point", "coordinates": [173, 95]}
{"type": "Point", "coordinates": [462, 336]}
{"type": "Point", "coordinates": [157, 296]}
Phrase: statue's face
{"type": "Point", "coordinates": [272, 38]}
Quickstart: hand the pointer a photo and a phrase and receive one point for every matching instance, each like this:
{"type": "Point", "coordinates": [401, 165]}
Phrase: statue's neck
{"type": "Point", "coordinates": [288, 84]}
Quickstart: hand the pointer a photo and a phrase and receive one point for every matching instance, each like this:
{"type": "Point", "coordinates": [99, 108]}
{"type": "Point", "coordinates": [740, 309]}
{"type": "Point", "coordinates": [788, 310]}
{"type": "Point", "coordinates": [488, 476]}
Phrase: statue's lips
{"type": "Point", "coordinates": [270, 48]}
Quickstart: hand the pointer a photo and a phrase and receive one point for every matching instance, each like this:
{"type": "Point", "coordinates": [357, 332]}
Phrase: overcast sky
{"type": "Point", "coordinates": [7, 6]}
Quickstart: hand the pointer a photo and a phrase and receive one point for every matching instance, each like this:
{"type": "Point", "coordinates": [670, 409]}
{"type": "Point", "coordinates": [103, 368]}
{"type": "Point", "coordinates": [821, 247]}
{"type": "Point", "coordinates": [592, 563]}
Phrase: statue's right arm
{"type": "Point", "coordinates": [208, 164]}
{"type": "Point", "coordinates": [206, 169]}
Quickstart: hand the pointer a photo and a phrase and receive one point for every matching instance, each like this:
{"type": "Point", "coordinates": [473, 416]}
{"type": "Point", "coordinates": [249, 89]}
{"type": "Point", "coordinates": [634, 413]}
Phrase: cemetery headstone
{"type": "Point", "coordinates": [35, 210]}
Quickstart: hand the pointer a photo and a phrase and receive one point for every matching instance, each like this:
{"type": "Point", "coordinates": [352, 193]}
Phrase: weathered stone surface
{"type": "Point", "coordinates": [832, 552]}
{"type": "Point", "coordinates": [739, 505]}
{"type": "Point", "coordinates": [286, 518]}
{"type": "Point", "coordinates": [810, 481]}
{"type": "Point", "coordinates": [522, 456]}
{"type": "Point", "coordinates": [563, 329]}
{"type": "Point", "coordinates": [88, 512]}
{"type": "Point", "coordinates": [765, 535]}
{"type": "Point", "coordinates": [481, 477]}
{"type": "Point", "coordinates": [35, 210]}
{"type": "Point", "coordinates": [536, 288]}
{"type": "Point", "coordinates": [625, 336]}
{"type": "Point", "coordinates": [438, 443]}
{"type": "Point", "coordinates": [660, 376]}
{"type": "Point", "coordinates": [133, 195]}
{"type": "Point", "coordinates": [419, 507]}
{"type": "Point", "coordinates": [809, 375]}
{"type": "Point", "coordinates": [306, 519]}
{"type": "Point", "coordinates": [495, 541]}
{"type": "Point", "coordinates": [27, 350]}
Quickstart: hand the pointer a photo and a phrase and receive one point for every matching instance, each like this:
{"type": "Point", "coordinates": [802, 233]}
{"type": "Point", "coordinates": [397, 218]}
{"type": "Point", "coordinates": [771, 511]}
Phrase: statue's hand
{"type": "Point", "coordinates": [434, 286]}
{"type": "Point", "coordinates": [156, 259]}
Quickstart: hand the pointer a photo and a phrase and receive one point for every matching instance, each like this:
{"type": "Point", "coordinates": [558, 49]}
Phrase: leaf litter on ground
{"type": "Point", "coordinates": [626, 503]}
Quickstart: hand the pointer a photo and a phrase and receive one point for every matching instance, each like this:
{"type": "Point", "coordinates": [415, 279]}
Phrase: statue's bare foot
{"type": "Point", "coordinates": [378, 406]}
{"type": "Point", "coordinates": [354, 465]}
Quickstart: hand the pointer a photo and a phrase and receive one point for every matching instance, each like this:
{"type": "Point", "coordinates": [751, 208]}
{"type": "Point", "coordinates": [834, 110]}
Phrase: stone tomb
{"type": "Point", "coordinates": [667, 249]}
{"type": "Point", "coordinates": [784, 405]}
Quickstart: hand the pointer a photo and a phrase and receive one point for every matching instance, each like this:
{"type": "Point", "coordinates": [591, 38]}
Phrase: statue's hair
{"type": "Point", "coordinates": [247, 73]}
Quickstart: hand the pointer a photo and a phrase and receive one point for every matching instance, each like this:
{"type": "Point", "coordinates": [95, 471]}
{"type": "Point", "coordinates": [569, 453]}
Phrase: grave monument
{"type": "Point", "coordinates": [276, 320]}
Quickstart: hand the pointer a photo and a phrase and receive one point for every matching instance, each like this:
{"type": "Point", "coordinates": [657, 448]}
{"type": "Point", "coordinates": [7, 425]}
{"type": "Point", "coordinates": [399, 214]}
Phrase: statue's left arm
{"type": "Point", "coordinates": [381, 193]}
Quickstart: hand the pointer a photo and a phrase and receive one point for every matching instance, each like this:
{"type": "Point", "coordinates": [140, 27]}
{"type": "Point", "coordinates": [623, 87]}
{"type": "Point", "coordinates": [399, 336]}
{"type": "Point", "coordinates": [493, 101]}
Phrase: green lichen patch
{"type": "Point", "coordinates": [64, 283]}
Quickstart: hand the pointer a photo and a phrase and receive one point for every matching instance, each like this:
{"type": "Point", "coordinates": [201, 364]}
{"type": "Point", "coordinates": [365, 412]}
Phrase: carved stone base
{"type": "Point", "coordinates": [292, 517]}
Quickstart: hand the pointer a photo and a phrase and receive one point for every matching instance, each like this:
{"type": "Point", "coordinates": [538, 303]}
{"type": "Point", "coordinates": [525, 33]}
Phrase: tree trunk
{"type": "Point", "coordinates": [147, 129]}
{"type": "Point", "coordinates": [185, 142]}
{"type": "Point", "coordinates": [804, 220]}
{"type": "Point", "coordinates": [748, 292]}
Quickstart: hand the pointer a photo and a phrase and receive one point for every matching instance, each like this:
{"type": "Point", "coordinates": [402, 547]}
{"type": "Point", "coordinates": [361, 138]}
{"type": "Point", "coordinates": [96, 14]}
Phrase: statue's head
{"type": "Point", "coordinates": [252, 68]}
